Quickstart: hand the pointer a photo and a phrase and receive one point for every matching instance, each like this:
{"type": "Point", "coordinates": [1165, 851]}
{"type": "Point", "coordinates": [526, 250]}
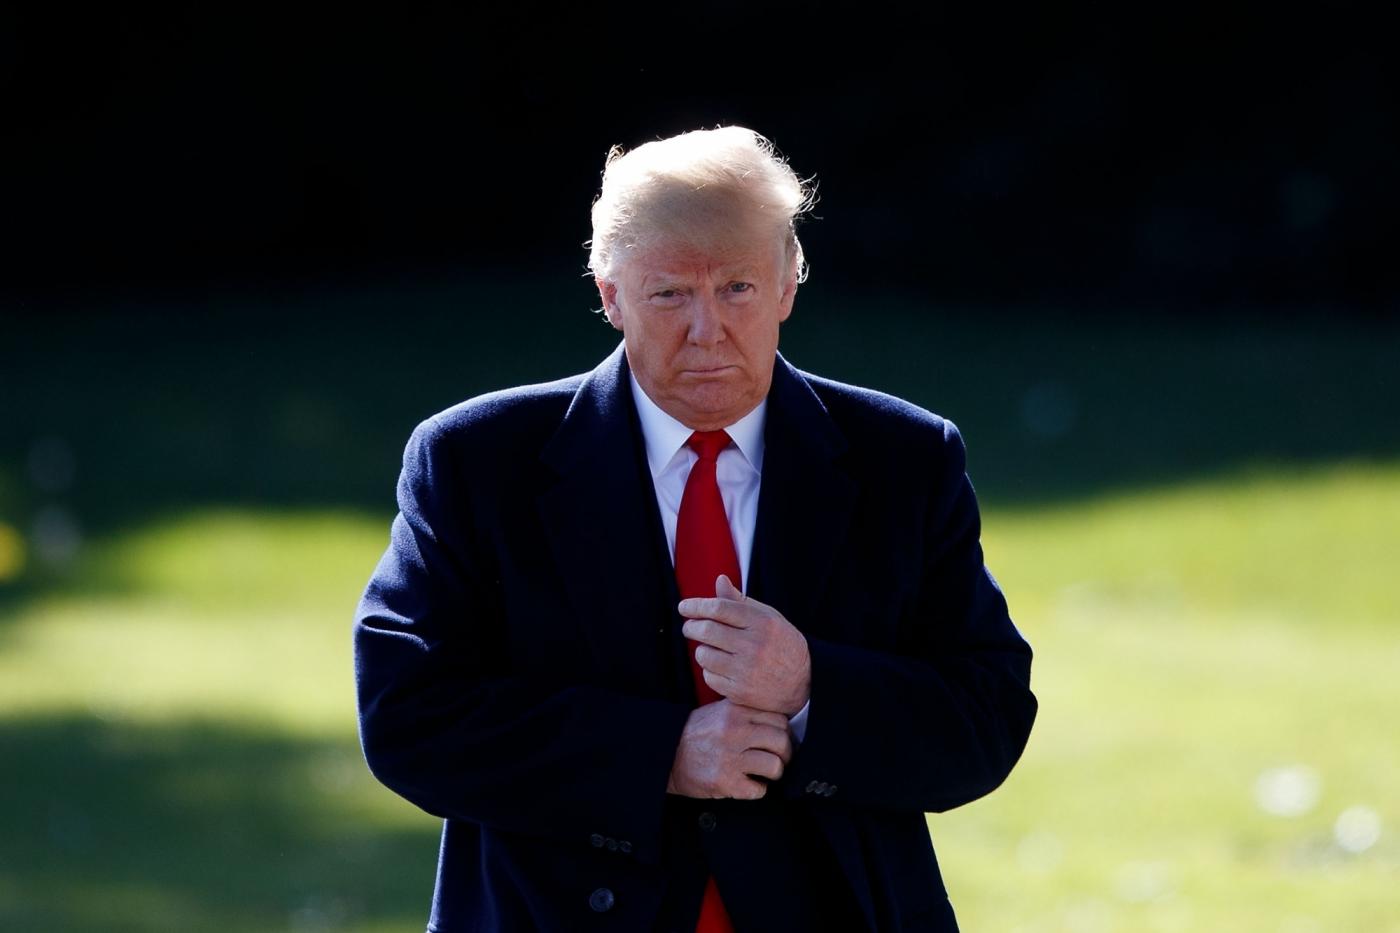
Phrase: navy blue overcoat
{"type": "Point", "coordinates": [521, 673]}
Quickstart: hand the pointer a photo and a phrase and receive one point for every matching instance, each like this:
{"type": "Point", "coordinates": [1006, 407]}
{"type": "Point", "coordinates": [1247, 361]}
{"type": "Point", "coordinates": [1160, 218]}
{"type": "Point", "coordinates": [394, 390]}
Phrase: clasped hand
{"type": "Point", "coordinates": [759, 663]}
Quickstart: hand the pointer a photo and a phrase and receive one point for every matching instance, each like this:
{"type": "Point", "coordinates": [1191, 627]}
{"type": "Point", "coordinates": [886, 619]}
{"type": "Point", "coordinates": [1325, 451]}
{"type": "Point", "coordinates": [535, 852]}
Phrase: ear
{"type": "Point", "coordinates": [608, 292]}
{"type": "Point", "coordinates": [788, 296]}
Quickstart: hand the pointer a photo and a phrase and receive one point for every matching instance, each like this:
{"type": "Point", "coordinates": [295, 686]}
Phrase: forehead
{"type": "Point", "coordinates": [713, 256]}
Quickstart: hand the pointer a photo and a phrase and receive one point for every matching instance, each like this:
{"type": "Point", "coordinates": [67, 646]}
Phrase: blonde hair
{"type": "Point", "coordinates": [697, 187]}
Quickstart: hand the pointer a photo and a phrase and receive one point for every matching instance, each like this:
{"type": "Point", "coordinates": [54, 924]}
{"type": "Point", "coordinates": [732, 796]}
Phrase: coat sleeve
{"type": "Point", "coordinates": [941, 718]}
{"type": "Point", "coordinates": [442, 726]}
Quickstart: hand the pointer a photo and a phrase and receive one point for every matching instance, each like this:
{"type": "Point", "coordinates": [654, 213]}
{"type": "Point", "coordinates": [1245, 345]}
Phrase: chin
{"type": "Point", "coordinates": [718, 408]}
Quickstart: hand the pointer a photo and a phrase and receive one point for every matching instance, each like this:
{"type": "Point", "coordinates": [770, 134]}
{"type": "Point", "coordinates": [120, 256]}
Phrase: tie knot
{"type": "Point", "coordinates": [708, 444]}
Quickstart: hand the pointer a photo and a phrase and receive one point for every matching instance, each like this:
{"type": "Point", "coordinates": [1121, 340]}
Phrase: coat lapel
{"type": "Point", "coordinates": [605, 533]}
{"type": "Point", "coordinates": [804, 504]}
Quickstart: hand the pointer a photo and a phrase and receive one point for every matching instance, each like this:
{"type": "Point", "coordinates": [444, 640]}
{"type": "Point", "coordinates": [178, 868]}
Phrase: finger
{"type": "Point", "coordinates": [715, 661]}
{"type": "Point", "coordinates": [729, 611]}
{"type": "Point", "coordinates": [746, 788]}
{"type": "Point", "coordinates": [710, 632]}
{"type": "Point", "coordinates": [725, 589]}
{"type": "Point", "coordinates": [719, 683]}
{"type": "Point", "coordinates": [761, 717]}
{"type": "Point", "coordinates": [772, 739]}
{"type": "Point", "coordinates": [761, 764]}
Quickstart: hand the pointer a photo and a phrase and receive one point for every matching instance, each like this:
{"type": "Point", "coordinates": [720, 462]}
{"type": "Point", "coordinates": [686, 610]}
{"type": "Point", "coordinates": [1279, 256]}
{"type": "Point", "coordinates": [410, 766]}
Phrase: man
{"type": "Point", "coordinates": [694, 640]}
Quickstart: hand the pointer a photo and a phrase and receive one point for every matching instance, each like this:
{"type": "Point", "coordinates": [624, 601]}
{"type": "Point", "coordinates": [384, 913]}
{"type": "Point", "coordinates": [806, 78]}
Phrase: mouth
{"type": "Point", "coordinates": [708, 371]}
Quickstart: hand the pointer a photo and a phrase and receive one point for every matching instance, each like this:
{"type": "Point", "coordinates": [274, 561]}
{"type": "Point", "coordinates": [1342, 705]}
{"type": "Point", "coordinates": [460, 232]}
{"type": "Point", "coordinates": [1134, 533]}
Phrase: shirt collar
{"type": "Point", "coordinates": [665, 435]}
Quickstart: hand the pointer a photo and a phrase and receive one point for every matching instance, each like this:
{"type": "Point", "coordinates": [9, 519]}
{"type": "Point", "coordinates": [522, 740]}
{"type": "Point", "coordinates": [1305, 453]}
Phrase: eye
{"type": "Point", "coordinates": [739, 288]}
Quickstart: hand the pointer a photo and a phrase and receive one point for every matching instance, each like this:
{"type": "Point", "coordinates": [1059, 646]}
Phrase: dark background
{"type": "Point", "coordinates": [1189, 161]}
{"type": "Point", "coordinates": [244, 253]}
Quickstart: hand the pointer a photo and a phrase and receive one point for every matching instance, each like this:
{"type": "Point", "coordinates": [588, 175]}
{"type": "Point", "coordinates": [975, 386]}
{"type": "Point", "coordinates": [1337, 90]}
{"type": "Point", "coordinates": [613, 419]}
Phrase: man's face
{"type": "Point", "coordinates": [701, 325]}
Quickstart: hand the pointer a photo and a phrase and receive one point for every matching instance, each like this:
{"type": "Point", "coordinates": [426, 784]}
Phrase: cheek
{"type": "Point", "coordinates": [670, 333]}
{"type": "Point", "coordinates": [760, 338]}
{"type": "Point", "coordinates": [656, 340]}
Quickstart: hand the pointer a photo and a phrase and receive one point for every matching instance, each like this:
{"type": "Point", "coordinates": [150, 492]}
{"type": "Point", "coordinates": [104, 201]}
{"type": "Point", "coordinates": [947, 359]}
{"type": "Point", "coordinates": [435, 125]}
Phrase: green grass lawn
{"type": "Point", "coordinates": [177, 742]}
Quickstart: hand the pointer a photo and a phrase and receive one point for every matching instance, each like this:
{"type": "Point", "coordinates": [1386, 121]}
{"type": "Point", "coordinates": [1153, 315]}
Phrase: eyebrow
{"type": "Point", "coordinates": [742, 272]}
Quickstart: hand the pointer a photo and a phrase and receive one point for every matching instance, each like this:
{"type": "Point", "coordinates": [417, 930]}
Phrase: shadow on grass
{"type": "Point", "coordinates": [200, 826]}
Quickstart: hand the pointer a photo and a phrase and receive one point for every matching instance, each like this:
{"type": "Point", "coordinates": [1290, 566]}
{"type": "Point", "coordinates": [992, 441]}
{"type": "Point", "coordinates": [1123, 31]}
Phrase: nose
{"type": "Point", "coordinates": [706, 323]}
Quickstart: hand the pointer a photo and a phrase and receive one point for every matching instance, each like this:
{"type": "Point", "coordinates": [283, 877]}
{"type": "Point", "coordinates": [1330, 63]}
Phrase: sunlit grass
{"type": "Point", "coordinates": [1280, 544]}
{"type": "Point", "coordinates": [220, 614]}
{"type": "Point", "coordinates": [1187, 641]}
{"type": "Point", "coordinates": [178, 720]}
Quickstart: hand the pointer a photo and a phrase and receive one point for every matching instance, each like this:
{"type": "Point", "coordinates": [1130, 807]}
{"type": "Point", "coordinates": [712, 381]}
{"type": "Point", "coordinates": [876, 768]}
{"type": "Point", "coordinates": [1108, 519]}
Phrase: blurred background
{"type": "Point", "coordinates": [1148, 271]}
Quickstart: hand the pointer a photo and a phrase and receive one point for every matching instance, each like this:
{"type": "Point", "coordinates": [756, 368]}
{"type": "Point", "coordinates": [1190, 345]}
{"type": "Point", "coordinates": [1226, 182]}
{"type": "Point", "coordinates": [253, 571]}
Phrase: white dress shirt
{"type": "Point", "coordinates": [738, 471]}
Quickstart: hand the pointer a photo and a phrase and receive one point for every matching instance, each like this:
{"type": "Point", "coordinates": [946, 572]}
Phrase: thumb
{"type": "Point", "coordinates": [724, 589]}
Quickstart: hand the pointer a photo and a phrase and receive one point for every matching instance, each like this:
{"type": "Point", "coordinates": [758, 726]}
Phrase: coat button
{"type": "Point", "coordinates": [597, 840]}
{"type": "Point", "coordinates": [601, 900]}
{"type": "Point", "coordinates": [625, 847]}
{"type": "Point", "coordinates": [611, 844]}
{"type": "Point", "coordinates": [707, 821]}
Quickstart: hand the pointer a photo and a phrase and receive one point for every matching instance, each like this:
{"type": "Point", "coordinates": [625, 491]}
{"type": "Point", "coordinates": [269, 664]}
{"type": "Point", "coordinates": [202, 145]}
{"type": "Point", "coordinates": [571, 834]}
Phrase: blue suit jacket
{"type": "Point", "coordinates": [521, 673]}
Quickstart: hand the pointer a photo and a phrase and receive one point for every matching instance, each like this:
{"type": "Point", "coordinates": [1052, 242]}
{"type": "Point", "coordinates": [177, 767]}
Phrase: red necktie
{"type": "Point", "coordinates": [704, 550]}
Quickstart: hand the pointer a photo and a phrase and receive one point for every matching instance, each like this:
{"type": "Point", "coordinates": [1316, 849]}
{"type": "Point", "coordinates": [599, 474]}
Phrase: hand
{"type": "Point", "coordinates": [749, 652]}
{"type": "Point", "coordinates": [724, 746]}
